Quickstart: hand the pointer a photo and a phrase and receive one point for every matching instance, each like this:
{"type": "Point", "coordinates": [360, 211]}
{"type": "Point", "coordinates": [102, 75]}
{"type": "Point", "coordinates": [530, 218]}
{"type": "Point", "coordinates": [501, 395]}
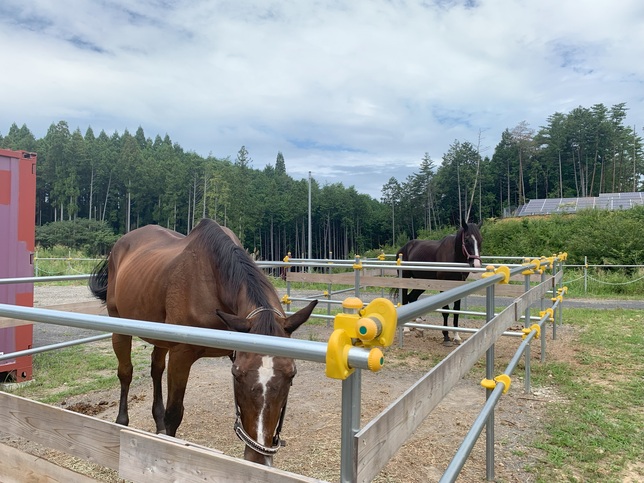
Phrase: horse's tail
{"type": "Point", "coordinates": [98, 280]}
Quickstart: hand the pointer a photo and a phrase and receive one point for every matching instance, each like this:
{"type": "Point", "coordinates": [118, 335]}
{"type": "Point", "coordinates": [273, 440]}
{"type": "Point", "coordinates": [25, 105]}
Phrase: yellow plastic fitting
{"type": "Point", "coordinates": [358, 264]}
{"type": "Point", "coordinates": [382, 313]}
{"type": "Point", "coordinates": [376, 359]}
{"type": "Point", "coordinates": [371, 326]}
{"type": "Point", "coordinates": [490, 384]}
{"type": "Point", "coordinates": [381, 257]}
{"type": "Point", "coordinates": [337, 355]}
{"type": "Point", "coordinates": [505, 379]}
{"type": "Point", "coordinates": [490, 271]}
{"type": "Point", "coordinates": [505, 271]}
{"type": "Point", "coordinates": [549, 312]}
{"type": "Point", "coordinates": [536, 327]}
{"type": "Point", "coordinates": [368, 329]}
{"type": "Point", "coordinates": [286, 300]}
{"type": "Point", "coordinates": [399, 259]}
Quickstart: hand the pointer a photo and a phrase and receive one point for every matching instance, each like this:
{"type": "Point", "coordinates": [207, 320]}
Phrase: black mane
{"type": "Point", "coordinates": [239, 271]}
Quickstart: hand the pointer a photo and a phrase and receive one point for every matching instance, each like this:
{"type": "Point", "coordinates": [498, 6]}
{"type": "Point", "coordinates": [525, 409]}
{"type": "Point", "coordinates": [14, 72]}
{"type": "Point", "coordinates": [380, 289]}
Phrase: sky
{"type": "Point", "coordinates": [352, 91]}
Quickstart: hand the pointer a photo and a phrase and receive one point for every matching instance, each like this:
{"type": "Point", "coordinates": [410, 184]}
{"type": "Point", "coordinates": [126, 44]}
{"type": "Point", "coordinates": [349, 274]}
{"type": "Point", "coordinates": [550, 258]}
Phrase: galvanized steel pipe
{"type": "Point", "coordinates": [223, 339]}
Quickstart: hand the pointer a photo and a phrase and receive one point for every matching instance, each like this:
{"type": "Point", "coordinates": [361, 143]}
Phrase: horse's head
{"type": "Point", "coordinates": [471, 243]}
{"type": "Point", "coordinates": [261, 383]}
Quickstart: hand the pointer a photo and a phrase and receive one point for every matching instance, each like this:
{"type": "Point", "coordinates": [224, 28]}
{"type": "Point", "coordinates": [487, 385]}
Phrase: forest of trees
{"type": "Point", "coordinates": [130, 180]}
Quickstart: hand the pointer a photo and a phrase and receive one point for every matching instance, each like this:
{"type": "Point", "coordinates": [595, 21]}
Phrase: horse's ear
{"type": "Point", "coordinates": [237, 324]}
{"type": "Point", "coordinates": [299, 317]}
{"type": "Point", "coordinates": [464, 224]}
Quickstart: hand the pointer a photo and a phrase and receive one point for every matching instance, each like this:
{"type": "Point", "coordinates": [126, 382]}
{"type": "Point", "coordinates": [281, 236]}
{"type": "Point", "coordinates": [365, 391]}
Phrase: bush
{"type": "Point", "coordinates": [604, 237]}
{"type": "Point", "coordinates": [93, 237]}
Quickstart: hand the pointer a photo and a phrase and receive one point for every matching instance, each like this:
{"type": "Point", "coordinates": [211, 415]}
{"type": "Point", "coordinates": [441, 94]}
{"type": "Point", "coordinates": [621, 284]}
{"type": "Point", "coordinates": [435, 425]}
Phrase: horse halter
{"type": "Point", "coordinates": [255, 445]}
{"type": "Point", "coordinates": [239, 428]}
{"type": "Point", "coordinates": [264, 309]}
{"type": "Point", "coordinates": [467, 254]}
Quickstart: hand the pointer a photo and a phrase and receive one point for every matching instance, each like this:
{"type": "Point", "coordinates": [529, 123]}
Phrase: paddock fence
{"type": "Point", "coordinates": [366, 449]}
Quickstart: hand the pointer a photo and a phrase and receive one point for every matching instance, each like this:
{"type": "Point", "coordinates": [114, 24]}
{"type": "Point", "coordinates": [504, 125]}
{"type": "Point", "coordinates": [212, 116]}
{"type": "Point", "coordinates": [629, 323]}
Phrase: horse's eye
{"type": "Point", "coordinates": [237, 372]}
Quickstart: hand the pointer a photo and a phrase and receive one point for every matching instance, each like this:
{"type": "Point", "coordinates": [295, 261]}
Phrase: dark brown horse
{"type": "Point", "coordinates": [464, 247]}
{"type": "Point", "coordinates": [204, 280]}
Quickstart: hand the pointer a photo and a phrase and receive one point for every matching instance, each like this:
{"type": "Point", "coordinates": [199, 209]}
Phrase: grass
{"type": "Point", "coordinates": [597, 432]}
{"type": "Point", "coordinates": [77, 370]}
{"type": "Point", "coordinates": [62, 261]}
{"type": "Point", "coordinates": [598, 283]}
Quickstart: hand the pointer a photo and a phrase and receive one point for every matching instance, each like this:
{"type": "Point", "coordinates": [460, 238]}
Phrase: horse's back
{"type": "Point", "coordinates": [431, 251]}
{"type": "Point", "coordinates": [138, 272]}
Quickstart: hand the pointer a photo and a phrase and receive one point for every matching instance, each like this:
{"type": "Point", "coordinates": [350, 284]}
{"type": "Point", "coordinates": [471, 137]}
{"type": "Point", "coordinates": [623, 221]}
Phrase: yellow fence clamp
{"type": "Point", "coordinates": [549, 312]}
{"type": "Point", "coordinates": [490, 384]}
{"type": "Point", "coordinates": [536, 327]}
{"type": "Point", "coordinates": [373, 326]}
{"type": "Point", "coordinates": [501, 270]}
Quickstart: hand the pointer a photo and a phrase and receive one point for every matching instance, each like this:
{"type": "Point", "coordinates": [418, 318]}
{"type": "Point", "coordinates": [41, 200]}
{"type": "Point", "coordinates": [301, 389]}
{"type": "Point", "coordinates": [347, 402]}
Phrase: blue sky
{"type": "Point", "coordinates": [355, 92]}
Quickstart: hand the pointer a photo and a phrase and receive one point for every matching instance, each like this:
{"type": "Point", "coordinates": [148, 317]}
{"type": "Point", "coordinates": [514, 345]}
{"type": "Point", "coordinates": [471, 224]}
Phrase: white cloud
{"type": "Point", "coordinates": [370, 85]}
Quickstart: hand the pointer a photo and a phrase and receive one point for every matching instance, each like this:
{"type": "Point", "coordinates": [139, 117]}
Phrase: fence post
{"type": "Point", "coordinates": [526, 323]}
{"type": "Point", "coordinates": [543, 332]}
{"type": "Point", "coordinates": [489, 374]}
{"type": "Point", "coordinates": [350, 425]}
{"type": "Point", "coordinates": [585, 274]}
{"type": "Point", "coordinates": [357, 266]}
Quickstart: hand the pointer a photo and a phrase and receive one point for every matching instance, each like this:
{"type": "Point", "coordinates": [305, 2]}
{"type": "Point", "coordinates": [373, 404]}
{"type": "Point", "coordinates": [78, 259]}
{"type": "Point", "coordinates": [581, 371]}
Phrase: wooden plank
{"type": "Point", "coordinates": [336, 278]}
{"type": "Point", "coordinates": [145, 457]}
{"type": "Point", "coordinates": [379, 440]}
{"type": "Point", "coordinates": [17, 467]}
{"type": "Point", "coordinates": [76, 434]}
{"type": "Point", "coordinates": [512, 290]}
{"type": "Point", "coordinates": [92, 308]}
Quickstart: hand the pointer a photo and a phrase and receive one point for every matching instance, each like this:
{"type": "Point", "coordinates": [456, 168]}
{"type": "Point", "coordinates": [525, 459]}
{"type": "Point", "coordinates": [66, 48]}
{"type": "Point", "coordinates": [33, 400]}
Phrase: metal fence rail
{"type": "Point", "coordinates": [363, 451]}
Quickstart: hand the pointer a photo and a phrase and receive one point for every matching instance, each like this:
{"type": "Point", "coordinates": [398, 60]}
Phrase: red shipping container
{"type": "Point", "coordinates": [17, 239]}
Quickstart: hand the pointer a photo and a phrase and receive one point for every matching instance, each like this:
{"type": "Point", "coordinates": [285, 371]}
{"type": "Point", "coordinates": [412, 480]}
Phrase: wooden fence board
{"type": "Point", "coordinates": [76, 434]}
{"type": "Point", "coordinates": [145, 457]}
{"type": "Point", "coordinates": [381, 438]}
{"type": "Point", "coordinates": [92, 308]}
{"type": "Point", "coordinates": [511, 290]}
{"type": "Point", "coordinates": [17, 467]}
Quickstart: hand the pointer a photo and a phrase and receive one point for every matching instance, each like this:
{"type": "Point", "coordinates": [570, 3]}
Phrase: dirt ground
{"type": "Point", "coordinates": [312, 425]}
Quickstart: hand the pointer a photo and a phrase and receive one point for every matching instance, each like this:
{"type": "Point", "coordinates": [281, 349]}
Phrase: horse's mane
{"type": "Point", "coordinates": [239, 271]}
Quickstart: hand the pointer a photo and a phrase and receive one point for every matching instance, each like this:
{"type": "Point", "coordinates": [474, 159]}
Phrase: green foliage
{"type": "Point", "coordinates": [605, 237]}
{"type": "Point", "coordinates": [128, 181]}
{"type": "Point", "coordinates": [93, 237]}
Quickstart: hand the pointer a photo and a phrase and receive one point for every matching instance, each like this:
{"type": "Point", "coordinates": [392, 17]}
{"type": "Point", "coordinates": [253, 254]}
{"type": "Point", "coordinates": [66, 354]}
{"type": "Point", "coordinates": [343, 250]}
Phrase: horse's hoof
{"type": "Point", "coordinates": [457, 341]}
{"type": "Point", "coordinates": [447, 343]}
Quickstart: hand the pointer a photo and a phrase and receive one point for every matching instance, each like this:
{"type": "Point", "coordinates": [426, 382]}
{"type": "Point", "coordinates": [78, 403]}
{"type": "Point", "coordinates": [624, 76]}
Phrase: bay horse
{"type": "Point", "coordinates": [205, 279]}
{"type": "Point", "coordinates": [463, 247]}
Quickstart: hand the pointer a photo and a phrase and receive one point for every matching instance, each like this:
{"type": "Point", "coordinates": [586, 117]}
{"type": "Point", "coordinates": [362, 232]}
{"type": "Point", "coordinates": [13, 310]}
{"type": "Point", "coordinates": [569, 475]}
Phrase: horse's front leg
{"type": "Point", "coordinates": [122, 345]}
{"type": "Point", "coordinates": [446, 340]}
{"type": "Point", "coordinates": [457, 308]}
{"type": "Point", "coordinates": [157, 366]}
{"type": "Point", "coordinates": [179, 364]}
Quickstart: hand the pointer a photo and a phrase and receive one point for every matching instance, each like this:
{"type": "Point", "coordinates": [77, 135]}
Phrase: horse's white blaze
{"type": "Point", "coordinates": [265, 373]}
{"type": "Point", "coordinates": [477, 260]}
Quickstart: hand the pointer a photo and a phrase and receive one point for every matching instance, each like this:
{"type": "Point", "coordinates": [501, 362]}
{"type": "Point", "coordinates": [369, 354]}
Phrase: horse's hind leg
{"type": "Point", "coordinates": [157, 366]}
{"type": "Point", "coordinates": [122, 345]}
{"type": "Point", "coordinates": [179, 364]}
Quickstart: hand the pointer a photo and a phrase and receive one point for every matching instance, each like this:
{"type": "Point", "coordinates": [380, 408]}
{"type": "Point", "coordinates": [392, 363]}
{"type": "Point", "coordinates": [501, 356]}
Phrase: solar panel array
{"type": "Point", "coordinates": [605, 201]}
